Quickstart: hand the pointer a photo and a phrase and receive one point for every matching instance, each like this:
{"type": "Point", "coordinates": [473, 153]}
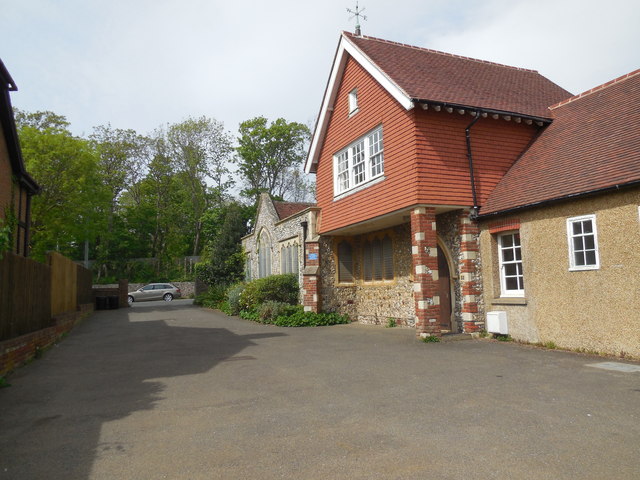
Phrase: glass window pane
{"type": "Point", "coordinates": [507, 240]}
{"type": "Point", "coordinates": [590, 257]}
{"type": "Point", "coordinates": [511, 283]}
{"type": "Point", "coordinates": [511, 269]}
{"type": "Point", "coordinates": [578, 244]}
{"type": "Point", "coordinates": [507, 255]}
{"type": "Point", "coordinates": [587, 226]}
{"type": "Point", "coordinates": [366, 262]}
{"type": "Point", "coordinates": [376, 253]}
{"type": "Point", "coordinates": [589, 242]}
{"type": "Point", "coordinates": [577, 228]}
{"type": "Point", "coordinates": [518, 254]}
{"type": "Point", "coordinates": [387, 253]}
{"type": "Point", "coordinates": [345, 262]}
{"type": "Point", "coordinates": [578, 259]}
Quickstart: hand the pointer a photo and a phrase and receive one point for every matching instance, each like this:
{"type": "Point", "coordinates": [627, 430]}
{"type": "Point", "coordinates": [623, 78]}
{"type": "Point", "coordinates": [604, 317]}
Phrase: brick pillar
{"type": "Point", "coordinates": [123, 290]}
{"type": "Point", "coordinates": [424, 249]}
{"type": "Point", "coordinates": [311, 278]}
{"type": "Point", "coordinates": [471, 319]}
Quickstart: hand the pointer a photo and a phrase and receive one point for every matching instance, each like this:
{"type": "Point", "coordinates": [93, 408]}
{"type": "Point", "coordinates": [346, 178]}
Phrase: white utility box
{"type": "Point", "coordinates": [497, 322]}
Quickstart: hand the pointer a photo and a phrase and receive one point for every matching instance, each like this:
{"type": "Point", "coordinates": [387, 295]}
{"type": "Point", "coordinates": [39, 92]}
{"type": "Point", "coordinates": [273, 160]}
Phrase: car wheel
{"type": "Point", "coordinates": [130, 299]}
{"type": "Point", "coordinates": [167, 297]}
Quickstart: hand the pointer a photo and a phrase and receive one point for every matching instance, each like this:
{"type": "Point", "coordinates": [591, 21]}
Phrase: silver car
{"type": "Point", "coordinates": [155, 291]}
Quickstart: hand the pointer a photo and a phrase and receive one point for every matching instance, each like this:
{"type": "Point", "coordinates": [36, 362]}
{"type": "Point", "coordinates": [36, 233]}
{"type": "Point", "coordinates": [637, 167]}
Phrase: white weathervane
{"type": "Point", "coordinates": [357, 14]}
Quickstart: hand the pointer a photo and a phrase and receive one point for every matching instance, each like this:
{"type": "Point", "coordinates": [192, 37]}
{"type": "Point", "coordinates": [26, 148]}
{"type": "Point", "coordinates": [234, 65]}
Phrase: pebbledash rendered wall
{"type": "Point", "coordinates": [591, 310]}
{"type": "Point", "coordinates": [370, 303]}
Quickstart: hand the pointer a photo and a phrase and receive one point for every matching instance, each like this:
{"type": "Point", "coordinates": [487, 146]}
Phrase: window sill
{"type": "Point", "coordinates": [359, 188]}
{"type": "Point", "coordinates": [509, 301]}
{"type": "Point", "coordinates": [584, 269]}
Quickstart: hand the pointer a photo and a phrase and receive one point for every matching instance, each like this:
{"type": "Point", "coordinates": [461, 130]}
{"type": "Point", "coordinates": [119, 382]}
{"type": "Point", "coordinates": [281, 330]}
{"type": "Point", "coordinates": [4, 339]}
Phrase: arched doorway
{"type": "Point", "coordinates": [444, 290]}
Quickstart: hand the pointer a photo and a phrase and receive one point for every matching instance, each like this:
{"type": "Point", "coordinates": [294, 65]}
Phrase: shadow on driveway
{"type": "Point", "coordinates": [108, 368]}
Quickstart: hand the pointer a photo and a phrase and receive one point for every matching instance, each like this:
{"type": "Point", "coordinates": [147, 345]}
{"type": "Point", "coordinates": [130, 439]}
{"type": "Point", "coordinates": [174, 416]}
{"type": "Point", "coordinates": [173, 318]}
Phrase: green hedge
{"type": "Point", "coordinates": [270, 300]}
{"type": "Point", "coordinates": [277, 288]}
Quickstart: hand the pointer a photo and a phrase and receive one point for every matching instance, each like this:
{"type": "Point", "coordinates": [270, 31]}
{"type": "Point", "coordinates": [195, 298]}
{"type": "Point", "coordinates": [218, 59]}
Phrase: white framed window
{"type": "Point", "coordinates": [583, 243]}
{"type": "Point", "coordinates": [359, 163]}
{"type": "Point", "coordinates": [353, 101]}
{"type": "Point", "coordinates": [510, 257]}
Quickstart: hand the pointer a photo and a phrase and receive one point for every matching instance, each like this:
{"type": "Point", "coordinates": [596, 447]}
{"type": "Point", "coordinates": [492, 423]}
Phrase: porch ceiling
{"type": "Point", "coordinates": [386, 221]}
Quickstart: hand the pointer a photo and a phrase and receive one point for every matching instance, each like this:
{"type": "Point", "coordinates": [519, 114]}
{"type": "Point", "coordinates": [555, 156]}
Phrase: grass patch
{"type": "Point", "coordinates": [431, 339]}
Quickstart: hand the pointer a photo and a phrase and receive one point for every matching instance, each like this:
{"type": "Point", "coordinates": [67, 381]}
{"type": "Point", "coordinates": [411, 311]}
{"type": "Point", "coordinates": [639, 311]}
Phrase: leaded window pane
{"type": "Point", "coordinates": [345, 262]}
{"type": "Point", "coordinates": [387, 255]}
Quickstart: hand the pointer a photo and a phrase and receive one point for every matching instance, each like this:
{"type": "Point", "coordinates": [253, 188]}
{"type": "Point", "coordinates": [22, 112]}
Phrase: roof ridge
{"type": "Point", "coordinates": [596, 89]}
{"type": "Point", "coordinates": [439, 52]}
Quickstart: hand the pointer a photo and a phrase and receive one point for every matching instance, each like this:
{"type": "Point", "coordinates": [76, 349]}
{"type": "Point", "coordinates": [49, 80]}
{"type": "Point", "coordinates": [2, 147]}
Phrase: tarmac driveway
{"type": "Point", "coordinates": [173, 391]}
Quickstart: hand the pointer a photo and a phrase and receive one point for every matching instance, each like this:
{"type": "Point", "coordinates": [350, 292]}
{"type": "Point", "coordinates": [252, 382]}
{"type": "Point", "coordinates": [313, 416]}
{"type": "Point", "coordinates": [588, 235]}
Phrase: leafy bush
{"type": "Point", "coordinates": [310, 319]}
{"type": "Point", "coordinates": [212, 298]}
{"type": "Point", "coordinates": [249, 315]}
{"type": "Point", "coordinates": [277, 288]}
{"type": "Point", "coordinates": [270, 310]}
{"type": "Point", "coordinates": [233, 298]}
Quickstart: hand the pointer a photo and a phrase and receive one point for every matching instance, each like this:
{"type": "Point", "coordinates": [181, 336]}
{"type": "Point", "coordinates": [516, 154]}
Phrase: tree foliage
{"type": "Point", "coordinates": [166, 196]}
{"type": "Point", "coordinates": [223, 259]}
{"type": "Point", "coordinates": [68, 209]}
{"type": "Point", "coordinates": [270, 156]}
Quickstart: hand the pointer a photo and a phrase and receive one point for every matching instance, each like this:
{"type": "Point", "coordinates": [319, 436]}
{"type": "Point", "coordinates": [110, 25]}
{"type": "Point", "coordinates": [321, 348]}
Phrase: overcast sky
{"type": "Point", "coordinates": [144, 63]}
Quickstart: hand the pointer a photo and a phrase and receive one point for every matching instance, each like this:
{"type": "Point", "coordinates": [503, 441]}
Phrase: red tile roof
{"type": "Point", "coordinates": [425, 74]}
{"type": "Point", "coordinates": [592, 144]}
{"type": "Point", "coordinates": [286, 209]}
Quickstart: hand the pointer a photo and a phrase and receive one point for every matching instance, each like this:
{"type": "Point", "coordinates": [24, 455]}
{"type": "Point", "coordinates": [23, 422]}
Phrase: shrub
{"type": "Point", "coordinates": [212, 298]}
{"type": "Point", "coordinates": [233, 298]}
{"type": "Point", "coordinates": [310, 319]}
{"type": "Point", "coordinates": [278, 288]}
{"type": "Point", "coordinates": [249, 315]}
{"type": "Point", "coordinates": [270, 310]}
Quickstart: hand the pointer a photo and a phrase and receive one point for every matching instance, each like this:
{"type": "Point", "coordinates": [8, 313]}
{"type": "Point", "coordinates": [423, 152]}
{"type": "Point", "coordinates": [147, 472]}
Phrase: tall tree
{"type": "Point", "coordinates": [270, 156]}
{"type": "Point", "coordinates": [122, 158]}
{"type": "Point", "coordinates": [200, 149]}
{"type": "Point", "coordinates": [223, 260]}
{"type": "Point", "coordinates": [68, 210]}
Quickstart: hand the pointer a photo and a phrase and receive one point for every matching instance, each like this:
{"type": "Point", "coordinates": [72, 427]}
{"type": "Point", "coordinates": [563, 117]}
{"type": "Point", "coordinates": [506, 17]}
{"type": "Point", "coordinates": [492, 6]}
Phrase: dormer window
{"type": "Point", "coordinates": [353, 101]}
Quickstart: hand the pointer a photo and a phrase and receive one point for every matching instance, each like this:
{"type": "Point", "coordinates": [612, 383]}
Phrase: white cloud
{"type": "Point", "coordinates": [141, 63]}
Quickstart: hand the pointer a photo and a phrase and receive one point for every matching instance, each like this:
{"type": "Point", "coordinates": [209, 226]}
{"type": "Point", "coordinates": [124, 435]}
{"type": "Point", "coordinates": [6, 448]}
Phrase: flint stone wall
{"type": "Point", "coordinates": [370, 303]}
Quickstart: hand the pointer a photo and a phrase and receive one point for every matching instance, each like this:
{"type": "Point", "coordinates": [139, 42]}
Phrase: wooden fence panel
{"type": "Point", "coordinates": [84, 285]}
{"type": "Point", "coordinates": [25, 292]}
{"type": "Point", "coordinates": [63, 284]}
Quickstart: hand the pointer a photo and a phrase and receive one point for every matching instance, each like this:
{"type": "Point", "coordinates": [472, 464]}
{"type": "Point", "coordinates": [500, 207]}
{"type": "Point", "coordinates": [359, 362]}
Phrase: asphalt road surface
{"type": "Point", "coordinates": [169, 390]}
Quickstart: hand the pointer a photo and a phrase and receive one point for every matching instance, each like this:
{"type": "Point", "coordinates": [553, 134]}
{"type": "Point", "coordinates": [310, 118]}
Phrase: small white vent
{"type": "Point", "coordinates": [497, 322]}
